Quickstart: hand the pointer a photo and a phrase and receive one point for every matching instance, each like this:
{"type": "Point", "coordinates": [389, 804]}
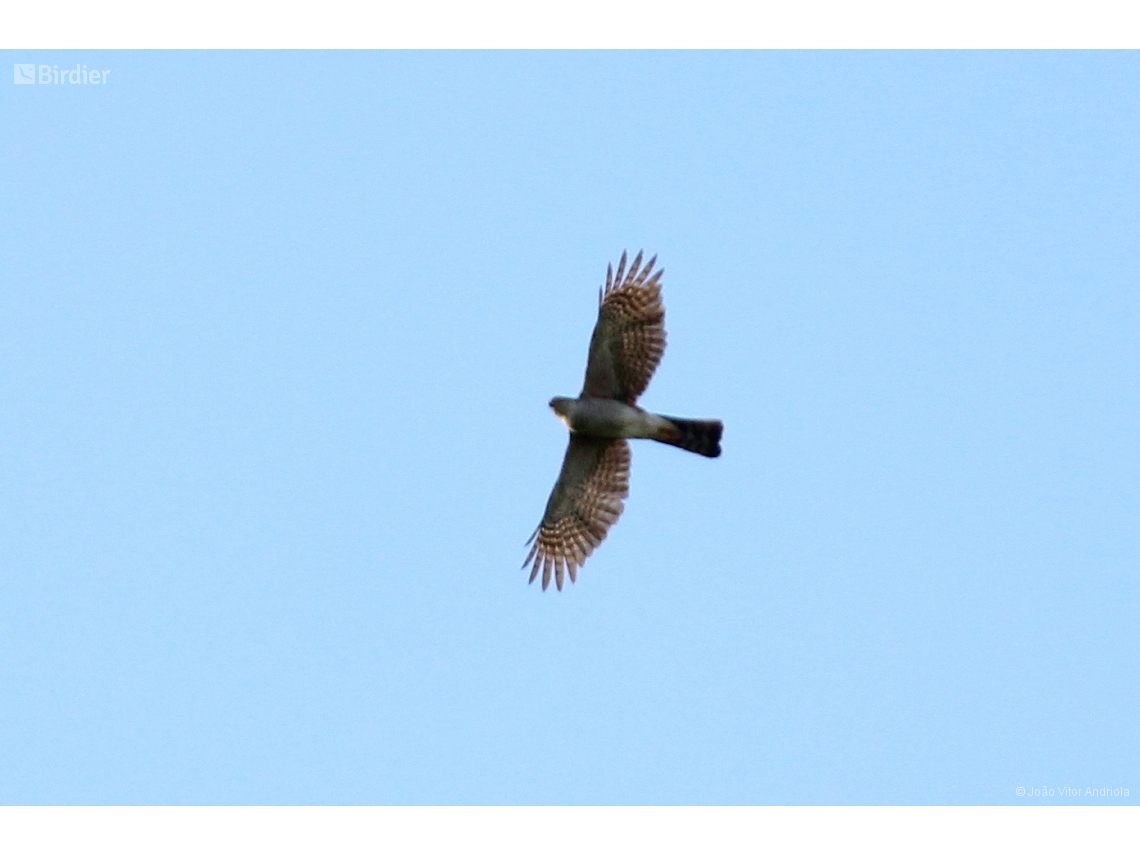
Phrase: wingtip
{"type": "Point", "coordinates": [634, 275]}
{"type": "Point", "coordinates": [619, 276]}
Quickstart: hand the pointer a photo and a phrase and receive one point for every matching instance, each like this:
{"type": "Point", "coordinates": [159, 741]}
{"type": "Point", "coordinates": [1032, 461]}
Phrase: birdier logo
{"type": "Point", "coordinates": [27, 72]}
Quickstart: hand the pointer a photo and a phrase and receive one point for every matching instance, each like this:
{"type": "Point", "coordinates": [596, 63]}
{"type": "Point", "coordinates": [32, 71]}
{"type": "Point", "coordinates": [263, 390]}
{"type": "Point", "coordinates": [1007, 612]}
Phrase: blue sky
{"type": "Point", "coordinates": [278, 330]}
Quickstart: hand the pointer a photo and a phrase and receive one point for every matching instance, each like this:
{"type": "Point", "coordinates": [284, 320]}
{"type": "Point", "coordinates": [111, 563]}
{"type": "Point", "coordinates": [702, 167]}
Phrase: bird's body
{"type": "Point", "coordinates": [605, 417]}
{"type": "Point", "coordinates": [625, 348]}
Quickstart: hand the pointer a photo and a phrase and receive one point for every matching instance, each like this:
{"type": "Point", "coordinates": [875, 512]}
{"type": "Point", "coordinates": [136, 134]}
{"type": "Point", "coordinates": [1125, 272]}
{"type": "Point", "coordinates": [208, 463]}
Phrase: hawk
{"type": "Point", "coordinates": [627, 344]}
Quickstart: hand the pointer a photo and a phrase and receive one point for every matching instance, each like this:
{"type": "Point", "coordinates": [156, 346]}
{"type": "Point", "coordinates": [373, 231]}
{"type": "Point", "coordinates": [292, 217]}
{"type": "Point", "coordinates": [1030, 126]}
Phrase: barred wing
{"type": "Point", "coordinates": [629, 337]}
{"type": "Point", "coordinates": [585, 502]}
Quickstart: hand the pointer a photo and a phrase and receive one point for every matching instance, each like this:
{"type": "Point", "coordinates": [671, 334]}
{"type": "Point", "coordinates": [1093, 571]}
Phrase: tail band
{"type": "Point", "coordinates": [701, 436]}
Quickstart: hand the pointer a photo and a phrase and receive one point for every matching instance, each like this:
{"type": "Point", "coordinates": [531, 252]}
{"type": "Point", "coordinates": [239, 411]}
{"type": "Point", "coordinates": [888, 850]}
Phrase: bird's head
{"type": "Point", "coordinates": [561, 407]}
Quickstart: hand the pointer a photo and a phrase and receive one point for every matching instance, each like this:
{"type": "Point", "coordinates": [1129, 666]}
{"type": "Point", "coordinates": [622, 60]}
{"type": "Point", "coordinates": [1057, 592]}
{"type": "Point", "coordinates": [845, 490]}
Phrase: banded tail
{"type": "Point", "coordinates": [701, 436]}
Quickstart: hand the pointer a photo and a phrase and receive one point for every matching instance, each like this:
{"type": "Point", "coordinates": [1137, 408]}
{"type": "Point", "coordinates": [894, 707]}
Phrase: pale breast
{"type": "Point", "coordinates": [608, 418]}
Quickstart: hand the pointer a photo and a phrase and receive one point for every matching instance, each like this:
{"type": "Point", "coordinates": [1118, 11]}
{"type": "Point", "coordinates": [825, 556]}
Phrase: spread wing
{"type": "Point", "coordinates": [585, 502]}
{"type": "Point", "coordinates": [629, 337]}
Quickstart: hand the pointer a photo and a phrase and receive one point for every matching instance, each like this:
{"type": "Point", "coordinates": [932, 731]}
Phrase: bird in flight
{"type": "Point", "coordinates": [627, 344]}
